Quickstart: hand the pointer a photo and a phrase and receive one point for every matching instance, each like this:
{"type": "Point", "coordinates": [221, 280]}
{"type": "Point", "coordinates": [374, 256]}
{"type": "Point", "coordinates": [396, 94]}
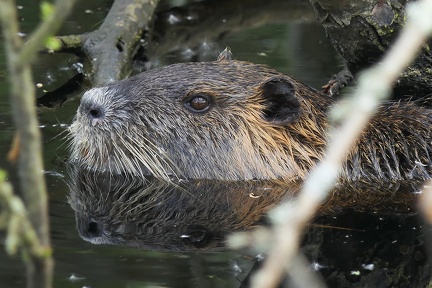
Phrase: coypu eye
{"type": "Point", "coordinates": [198, 103]}
{"type": "Point", "coordinates": [197, 235]}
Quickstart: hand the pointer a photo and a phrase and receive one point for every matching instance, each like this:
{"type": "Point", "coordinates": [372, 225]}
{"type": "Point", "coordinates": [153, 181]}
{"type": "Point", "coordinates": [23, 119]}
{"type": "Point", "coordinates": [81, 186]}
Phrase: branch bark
{"type": "Point", "coordinates": [362, 31]}
{"type": "Point", "coordinates": [110, 48]}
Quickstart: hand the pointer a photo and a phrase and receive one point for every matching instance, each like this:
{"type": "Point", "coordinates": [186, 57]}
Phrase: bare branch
{"type": "Point", "coordinates": [47, 28]}
{"type": "Point", "coordinates": [425, 202]}
{"type": "Point", "coordinates": [111, 47]}
{"type": "Point", "coordinates": [22, 97]}
{"type": "Point", "coordinates": [20, 231]}
{"type": "Point", "coordinates": [70, 43]}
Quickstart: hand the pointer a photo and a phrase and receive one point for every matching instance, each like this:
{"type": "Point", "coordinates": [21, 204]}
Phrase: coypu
{"type": "Point", "coordinates": [234, 120]}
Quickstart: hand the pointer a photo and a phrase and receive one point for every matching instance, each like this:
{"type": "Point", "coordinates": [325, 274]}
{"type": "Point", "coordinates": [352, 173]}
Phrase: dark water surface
{"type": "Point", "coordinates": [377, 251]}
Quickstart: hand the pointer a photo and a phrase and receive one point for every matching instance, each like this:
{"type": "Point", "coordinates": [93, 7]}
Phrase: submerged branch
{"type": "Point", "coordinates": [191, 25]}
{"type": "Point", "coordinates": [70, 43]}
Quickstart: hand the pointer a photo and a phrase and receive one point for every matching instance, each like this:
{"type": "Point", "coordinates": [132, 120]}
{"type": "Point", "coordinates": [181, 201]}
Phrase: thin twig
{"type": "Point", "coordinates": [425, 202]}
{"type": "Point", "coordinates": [20, 232]}
{"type": "Point", "coordinates": [22, 97]}
{"type": "Point", "coordinates": [47, 28]}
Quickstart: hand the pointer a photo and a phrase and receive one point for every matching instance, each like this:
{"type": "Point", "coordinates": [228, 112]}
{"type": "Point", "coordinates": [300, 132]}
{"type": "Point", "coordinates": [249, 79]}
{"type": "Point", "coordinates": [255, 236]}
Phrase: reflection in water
{"type": "Point", "coordinates": [349, 249]}
{"type": "Point", "coordinates": [366, 250]}
{"type": "Point", "coordinates": [196, 215]}
{"type": "Point", "coordinates": [153, 214]}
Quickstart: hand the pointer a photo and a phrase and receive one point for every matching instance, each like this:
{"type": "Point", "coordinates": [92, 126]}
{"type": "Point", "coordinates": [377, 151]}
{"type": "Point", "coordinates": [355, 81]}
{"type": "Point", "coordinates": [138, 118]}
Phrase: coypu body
{"type": "Point", "coordinates": [233, 120]}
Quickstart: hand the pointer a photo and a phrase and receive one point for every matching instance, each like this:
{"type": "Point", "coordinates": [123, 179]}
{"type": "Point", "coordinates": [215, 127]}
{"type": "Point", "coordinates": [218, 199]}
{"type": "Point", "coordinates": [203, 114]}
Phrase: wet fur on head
{"type": "Point", "coordinates": [261, 125]}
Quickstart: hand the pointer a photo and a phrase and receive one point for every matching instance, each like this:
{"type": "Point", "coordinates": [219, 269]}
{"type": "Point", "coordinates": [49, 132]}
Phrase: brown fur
{"type": "Point", "coordinates": [232, 141]}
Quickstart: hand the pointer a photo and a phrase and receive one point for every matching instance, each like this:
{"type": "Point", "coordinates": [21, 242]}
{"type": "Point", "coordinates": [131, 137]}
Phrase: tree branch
{"type": "Point", "coordinates": [111, 47]}
{"type": "Point", "coordinates": [47, 28]}
{"type": "Point", "coordinates": [20, 231]}
{"type": "Point", "coordinates": [22, 97]}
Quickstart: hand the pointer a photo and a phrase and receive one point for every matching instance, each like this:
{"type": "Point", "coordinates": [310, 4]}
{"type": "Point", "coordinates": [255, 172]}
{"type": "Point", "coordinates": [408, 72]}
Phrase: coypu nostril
{"type": "Point", "coordinates": [94, 229]}
{"type": "Point", "coordinates": [95, 112]}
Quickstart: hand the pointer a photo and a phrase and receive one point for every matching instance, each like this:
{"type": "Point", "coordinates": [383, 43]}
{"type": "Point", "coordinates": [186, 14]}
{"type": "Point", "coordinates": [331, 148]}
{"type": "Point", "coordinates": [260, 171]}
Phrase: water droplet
{"type": "Point", "coordinates": [369, 267]}
{"type": "Point", "coordinates": [316, 266]}
{"type": "Point", "coordinates": [74, 278]}
{"type": "Point", "coordinates": [172, 19]}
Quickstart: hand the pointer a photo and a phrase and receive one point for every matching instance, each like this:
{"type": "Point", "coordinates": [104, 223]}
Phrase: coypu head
{"type": "Point", "coordinates": [228, 120]}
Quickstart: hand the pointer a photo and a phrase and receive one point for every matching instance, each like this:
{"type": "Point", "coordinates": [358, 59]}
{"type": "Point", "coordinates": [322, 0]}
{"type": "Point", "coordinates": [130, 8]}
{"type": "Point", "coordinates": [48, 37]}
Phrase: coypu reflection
{"type": "Point", "coordinates": [155, 214]}
{"type": "Point", "coordinates": [369, 250]}
{"type": "Point", "coordinates": [193, 215]}
{"type": "Point", "coordinates": [233, 120]}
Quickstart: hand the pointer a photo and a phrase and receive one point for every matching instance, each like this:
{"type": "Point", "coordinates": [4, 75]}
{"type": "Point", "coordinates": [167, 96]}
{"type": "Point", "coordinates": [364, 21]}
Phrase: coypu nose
{"type": "Point", "coordinates": [93, 105]}
{"type": "Point", "coordinates": [93, 229]}
{"type": "Point", "coordinates": [94, 113]}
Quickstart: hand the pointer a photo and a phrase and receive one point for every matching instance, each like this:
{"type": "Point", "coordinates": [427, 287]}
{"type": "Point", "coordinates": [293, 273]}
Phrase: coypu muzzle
{"type": "Point", "coordinates": [95, 113]}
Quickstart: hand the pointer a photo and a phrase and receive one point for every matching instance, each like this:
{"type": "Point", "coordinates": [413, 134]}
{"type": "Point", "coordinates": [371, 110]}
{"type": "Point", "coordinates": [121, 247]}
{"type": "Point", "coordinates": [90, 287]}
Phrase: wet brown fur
{"type": "Point", "coordinates": [257, 148]}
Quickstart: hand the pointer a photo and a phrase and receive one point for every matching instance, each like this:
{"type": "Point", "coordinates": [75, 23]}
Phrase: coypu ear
{"type": "Point", "coordinates": [225, 55]}
{"type": "Point", "coordinates": [282, 105]}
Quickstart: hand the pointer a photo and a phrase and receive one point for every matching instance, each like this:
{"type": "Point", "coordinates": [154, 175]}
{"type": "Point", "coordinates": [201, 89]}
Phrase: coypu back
{"type": "Point", "coordinates": [226, 120]}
